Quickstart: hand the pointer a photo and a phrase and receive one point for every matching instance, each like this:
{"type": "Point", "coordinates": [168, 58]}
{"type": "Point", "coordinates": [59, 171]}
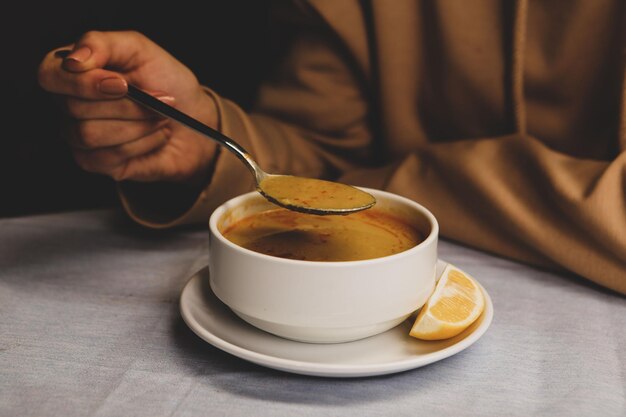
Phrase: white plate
{"type": "Point", "coordinates": [389, 352]}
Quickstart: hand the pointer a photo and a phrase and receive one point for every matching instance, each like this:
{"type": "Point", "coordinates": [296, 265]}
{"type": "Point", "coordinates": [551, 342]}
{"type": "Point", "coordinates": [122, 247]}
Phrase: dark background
{"type": "Point", "coordinates": [224, 42]}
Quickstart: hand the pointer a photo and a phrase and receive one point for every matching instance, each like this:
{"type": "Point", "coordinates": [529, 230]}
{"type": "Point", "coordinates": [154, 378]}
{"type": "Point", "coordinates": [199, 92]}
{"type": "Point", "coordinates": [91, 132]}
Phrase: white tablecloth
{"type": "Point", "coordinates": [90, 325]}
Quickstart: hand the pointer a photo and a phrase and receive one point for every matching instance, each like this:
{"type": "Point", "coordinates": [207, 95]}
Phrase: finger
{"type": "Point", "coordinates": [171, 163]}
{"type": "Point", "coordinates": [110, 161]}
{"type": "Point", "coordinates": [147, 168]}
{"type": "Point", "coordinates": [121, 109]}
{"type": "Point", "coordinates": [94, 134]}
{"type": "Point", "coordinates": [97, 84]}
{"type": "Point", "coordinates": [119, 49]}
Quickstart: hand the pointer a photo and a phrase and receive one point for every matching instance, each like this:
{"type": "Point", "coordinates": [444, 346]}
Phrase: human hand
{"type": "Point", "coordinates": [109, 134]}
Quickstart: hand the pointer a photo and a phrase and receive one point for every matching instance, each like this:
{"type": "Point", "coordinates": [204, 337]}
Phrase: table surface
{"type": "Point", "coordinates": [90, 325]}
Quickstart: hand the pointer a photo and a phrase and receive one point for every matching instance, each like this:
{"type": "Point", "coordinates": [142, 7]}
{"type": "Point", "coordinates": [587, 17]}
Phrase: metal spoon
{"type": "Point", "coordinates": [302, 194]}
{"type": "Point", "coordinates": [307, 195]}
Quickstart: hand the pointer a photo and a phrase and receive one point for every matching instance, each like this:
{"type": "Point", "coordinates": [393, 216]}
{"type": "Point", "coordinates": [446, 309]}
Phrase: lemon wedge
{"type": "Point", "coordinates": [454, 305]}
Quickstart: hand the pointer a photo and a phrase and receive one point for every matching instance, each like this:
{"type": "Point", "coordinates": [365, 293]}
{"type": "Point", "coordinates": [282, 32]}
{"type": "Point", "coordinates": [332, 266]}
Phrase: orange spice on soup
{"type": "Point", "coordinates": [288, 234]}
{"type": "Point", "coordinates": [314, 193]}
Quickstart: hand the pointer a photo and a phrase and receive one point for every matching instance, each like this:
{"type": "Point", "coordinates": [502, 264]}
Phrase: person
{"type": "Point", "coordinates": [506, 120]}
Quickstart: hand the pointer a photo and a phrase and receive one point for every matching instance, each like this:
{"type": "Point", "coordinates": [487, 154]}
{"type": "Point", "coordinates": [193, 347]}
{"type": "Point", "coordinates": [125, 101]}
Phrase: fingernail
{"type": "Point", "coordinates": [167, 99]}
{"type": "Point", "coordinates": [113, 86]}
{"type": "Point", "coordinates": [79, 55]}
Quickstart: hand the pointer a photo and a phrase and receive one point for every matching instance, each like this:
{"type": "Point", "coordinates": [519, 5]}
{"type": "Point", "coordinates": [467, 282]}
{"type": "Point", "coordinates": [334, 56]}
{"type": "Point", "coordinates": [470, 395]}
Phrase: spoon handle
{"type": "Point", "coordinates": [166, 110]}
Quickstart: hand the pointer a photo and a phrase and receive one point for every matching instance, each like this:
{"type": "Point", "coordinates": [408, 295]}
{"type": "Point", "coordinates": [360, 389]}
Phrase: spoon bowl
{"type": "Point", "coordinates": [314, 196]}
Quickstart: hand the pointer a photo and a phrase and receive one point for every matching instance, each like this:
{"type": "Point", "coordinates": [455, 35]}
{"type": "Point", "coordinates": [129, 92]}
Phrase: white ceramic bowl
{"type": "Point", "coordinates": [322, 302]}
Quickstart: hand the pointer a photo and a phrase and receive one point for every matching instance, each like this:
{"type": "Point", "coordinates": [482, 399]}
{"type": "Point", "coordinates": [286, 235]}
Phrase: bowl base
{"type": "Point", "coordinates": [321, 335]}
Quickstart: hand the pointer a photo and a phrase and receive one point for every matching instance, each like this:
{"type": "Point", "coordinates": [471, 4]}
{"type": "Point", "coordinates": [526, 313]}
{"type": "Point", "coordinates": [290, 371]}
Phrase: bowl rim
{"type": "Point", "coordinates": [233, 202]}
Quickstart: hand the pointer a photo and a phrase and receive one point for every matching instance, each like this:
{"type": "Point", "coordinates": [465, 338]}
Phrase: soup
{"type": "Point", "coordinates": [288, 234]}
{"type": "Point", "coordinates": [314, 194]}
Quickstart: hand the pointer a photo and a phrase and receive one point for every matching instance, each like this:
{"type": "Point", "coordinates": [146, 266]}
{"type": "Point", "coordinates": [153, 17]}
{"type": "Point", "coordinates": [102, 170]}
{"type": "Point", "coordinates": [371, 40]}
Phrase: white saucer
{"type": "Point", "coordinates": [389, 352]}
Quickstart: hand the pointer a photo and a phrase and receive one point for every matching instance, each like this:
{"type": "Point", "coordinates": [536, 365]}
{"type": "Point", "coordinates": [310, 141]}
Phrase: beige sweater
{"type": "Point", "coordinates": [507, 120]}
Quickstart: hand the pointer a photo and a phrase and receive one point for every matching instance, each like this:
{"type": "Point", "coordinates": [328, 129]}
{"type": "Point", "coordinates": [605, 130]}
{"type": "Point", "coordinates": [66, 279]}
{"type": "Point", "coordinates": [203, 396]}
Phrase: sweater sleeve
{"type": "Point", "coordinates": [515, 197]}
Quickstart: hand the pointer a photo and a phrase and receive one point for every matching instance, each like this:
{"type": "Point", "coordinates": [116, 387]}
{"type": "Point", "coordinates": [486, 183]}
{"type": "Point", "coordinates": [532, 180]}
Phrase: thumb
{"type": "Point", "coordinates": [120, 51]}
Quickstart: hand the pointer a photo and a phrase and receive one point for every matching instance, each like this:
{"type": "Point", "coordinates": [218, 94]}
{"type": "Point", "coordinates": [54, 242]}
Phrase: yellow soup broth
{"type": "Point", "coordinates": [288, 234]}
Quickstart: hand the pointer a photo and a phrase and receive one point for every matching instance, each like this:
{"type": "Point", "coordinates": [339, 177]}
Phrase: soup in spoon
{"type": "Point", "coordinates": [310, 195]}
